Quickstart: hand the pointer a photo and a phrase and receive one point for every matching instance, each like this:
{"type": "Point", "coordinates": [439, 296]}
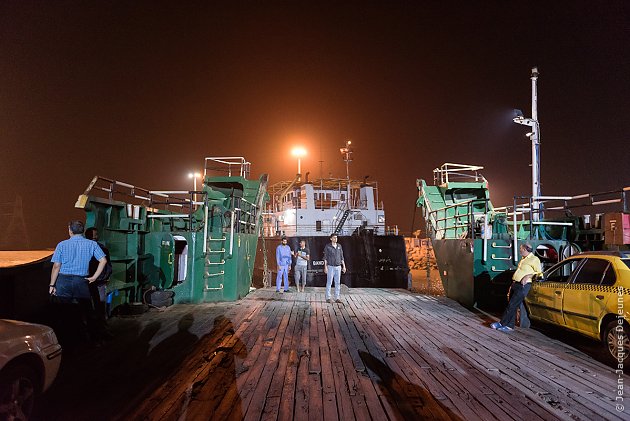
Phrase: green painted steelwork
{"type": "Point", "coordinates": [473, 241]}
{"type": "Point", "coordinates": [199, 245]}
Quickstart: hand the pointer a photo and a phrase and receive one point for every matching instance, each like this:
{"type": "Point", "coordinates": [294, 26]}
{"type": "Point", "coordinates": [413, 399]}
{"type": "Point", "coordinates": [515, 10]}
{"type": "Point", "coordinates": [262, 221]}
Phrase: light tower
{"type": "Point", "coordinates": [194, 175]}
{"type": "Point", "coordinates": [534, 136]}
{"type": "Point", "coordinates": [299, 152]}
{"type": "Point", "coordinates": [346, 152]}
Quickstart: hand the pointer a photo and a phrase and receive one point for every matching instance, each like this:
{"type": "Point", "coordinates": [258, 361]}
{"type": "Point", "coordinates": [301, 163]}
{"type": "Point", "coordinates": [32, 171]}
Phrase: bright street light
{"type": "Point", "coordinates": [298, 152]}
{"type": "Point", "coordinates": [194, 175]}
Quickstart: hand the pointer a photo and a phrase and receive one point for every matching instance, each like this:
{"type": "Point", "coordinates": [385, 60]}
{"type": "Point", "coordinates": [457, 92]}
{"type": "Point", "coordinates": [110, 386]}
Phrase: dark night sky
{"type": "Point", "coordinates": [141, 92]}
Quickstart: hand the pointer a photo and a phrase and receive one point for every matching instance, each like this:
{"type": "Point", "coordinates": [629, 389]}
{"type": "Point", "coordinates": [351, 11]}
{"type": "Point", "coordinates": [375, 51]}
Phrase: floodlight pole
{"type": "Point", "coordinates": [346, 152]}
{"type": "Point", "coordinates": [535, 137]}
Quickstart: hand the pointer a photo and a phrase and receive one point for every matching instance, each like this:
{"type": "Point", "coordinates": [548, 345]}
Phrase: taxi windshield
{"type": "Point", "coordinates": [626, 261]}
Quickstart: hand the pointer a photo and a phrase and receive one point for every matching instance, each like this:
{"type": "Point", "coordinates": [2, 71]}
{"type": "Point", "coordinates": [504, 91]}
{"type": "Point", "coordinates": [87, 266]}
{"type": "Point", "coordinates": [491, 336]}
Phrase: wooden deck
{"type": "Point", "coordinates": [16, 258]}
{"type": "Point", "coordinates": [381, 354]}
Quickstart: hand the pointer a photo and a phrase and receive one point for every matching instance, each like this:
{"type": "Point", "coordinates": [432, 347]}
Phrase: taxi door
{"type": "Point", "coordinates": [585, 297]}
{"type": "Point", "coordinates": [544, 300]}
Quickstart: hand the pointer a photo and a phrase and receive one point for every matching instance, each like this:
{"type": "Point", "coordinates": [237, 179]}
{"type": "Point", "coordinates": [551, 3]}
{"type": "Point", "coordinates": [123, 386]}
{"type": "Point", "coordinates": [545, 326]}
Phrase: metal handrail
{"type": "Point", "coordinates": [447, 169]}
{"type": "Point", "coordinates": [141, 195]}
{"type": "Point", "coordinates": [225, 164]}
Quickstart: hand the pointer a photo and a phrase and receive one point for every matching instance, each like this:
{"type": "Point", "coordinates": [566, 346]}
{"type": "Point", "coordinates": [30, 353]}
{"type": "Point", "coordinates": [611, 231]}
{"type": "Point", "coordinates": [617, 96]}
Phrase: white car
{"type": "Point", "coordinates": [29, 361]}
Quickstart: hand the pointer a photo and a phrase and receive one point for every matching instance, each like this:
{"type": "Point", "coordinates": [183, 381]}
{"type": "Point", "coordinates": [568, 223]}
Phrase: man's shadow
{"type": "Point", "coordinates": [216, 395]}
{"type": "Point", "coordinates": [162, 365]}
{"type": "Point", "coordinates": [94, 377]}
{"type": "Point", "coordinates": [412, 401]}
{"type": "Point", "coordinates": [166, 357]}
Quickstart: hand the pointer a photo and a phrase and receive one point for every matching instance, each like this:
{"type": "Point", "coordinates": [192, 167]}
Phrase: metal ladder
{"type": "Point", "coordinates": [342, 216]}
{"type": "Point", "coordinates": [214, 262]}
{"type": "Point", "coordinates": [500, 254]}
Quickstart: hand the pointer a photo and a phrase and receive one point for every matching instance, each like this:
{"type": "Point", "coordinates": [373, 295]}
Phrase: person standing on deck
{"type": "Point", "coordinates": [334, 266]}
{"type": "Point", "coordinates": [69, 276]}
{"type": "Point", "coordinates": [302, 256]}
{"type": "Point", "coordinates": [98, 290]}
{"type": "Point", "coordinates": [283, 259]}
{"type": "Point", "coordinates": [528, 267]}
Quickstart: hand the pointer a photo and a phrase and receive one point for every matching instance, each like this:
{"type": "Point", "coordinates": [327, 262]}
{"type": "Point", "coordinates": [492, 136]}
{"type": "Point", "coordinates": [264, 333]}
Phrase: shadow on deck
{"type": "Point", "coordinates": [380, 354]}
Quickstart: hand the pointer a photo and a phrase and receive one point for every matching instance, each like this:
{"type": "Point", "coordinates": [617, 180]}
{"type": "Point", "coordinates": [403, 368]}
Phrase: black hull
{"type": "Point", "coordinates": [372, 261]}
{"type": "Point", "coordinates": [24, 291]}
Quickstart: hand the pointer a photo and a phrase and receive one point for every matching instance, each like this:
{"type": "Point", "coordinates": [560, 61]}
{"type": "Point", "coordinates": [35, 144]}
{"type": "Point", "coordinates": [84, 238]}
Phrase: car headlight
{"type": "Point", "coordinates": [48, 338]}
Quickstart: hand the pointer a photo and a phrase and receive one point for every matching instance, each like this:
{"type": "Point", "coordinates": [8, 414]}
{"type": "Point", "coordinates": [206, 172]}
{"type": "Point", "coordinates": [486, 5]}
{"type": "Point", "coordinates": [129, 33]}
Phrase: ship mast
{"type": "Point", "coordinates": [534, 136]}
{"type": "Point", "coordinates": [346, 151]}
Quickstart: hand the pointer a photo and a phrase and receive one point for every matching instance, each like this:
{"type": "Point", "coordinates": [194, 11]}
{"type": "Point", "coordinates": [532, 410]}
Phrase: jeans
{"type": "Point", "coordinates": [518, 294]}
{"type": "Point", "coordinates": [72, 286]}
{"type": "Point", "coordinates": [334, 272]}
{"type": "Point", "coordinates": [74, 307]}
{"type": "Point", "coordinates": [283, 271]}
{"type": "Point", "coordinates": [300, 274]}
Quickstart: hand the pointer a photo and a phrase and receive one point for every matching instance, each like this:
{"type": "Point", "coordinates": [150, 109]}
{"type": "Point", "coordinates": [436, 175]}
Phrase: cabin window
{"type": "Point", "coordinates": [318, 226]}
{"type": "Point", "coordinates": [343, 197]}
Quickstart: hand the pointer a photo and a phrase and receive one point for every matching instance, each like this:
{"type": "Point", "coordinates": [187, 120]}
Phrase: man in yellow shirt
{"type": "Point", "coordinates": [522, 282]}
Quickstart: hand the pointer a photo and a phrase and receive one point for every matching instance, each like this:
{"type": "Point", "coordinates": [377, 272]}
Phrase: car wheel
{"type": "Point", "coordinates": [617, 343]}
{"type": "Point", "coordinates": [18, 384]}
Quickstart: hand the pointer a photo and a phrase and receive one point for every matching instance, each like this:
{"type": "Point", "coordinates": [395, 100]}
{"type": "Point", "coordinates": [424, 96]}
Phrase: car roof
{"type": "Point", "coordinates": [621, 254]}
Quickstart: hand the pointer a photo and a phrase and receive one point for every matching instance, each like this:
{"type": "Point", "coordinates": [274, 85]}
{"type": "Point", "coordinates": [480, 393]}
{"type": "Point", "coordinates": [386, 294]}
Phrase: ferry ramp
{"type": "Point", "coordinates": [380, 354]}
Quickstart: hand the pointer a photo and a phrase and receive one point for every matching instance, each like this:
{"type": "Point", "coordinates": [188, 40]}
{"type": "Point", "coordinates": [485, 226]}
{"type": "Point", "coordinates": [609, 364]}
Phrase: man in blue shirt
{"type": "Point", "coordinates": [283, 259]}
{"type": "Point", "coordinates": [69, 281]}
{"type": "Point", "coordinates": [71, 262]}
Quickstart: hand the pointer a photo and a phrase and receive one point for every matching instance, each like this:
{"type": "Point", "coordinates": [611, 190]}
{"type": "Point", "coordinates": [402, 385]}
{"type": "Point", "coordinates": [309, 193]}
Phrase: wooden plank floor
{"type": "Point", "coordinates": [380, 354]}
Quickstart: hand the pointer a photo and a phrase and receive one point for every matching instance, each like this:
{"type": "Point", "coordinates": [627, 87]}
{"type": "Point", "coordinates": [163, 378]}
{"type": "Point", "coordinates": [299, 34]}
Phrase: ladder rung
{"type": "Point", "coordinates": [496, 246]}
{"type": "Point", "coordinates": [500, 258]}
{"type": "Point", "coordinates": [217, 251]}
{"type": "Point", "coordinates": [222, 262]}
{"type": "Point", "coordinates": [210, 275]}
{"type": "Point", "coordinates": [207, 288]}
{"type": "Point", "coordinates": [216, 239]}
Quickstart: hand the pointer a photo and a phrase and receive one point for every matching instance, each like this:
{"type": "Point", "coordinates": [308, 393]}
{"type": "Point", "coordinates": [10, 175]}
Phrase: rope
{"type": "Point", "coordinates": [265, 265]}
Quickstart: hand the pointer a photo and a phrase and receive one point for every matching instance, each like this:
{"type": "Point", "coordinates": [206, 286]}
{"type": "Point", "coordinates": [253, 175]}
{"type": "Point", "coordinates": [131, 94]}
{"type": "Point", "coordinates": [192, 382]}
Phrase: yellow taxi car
{"type": "Point", "coordinates": [588, 293]}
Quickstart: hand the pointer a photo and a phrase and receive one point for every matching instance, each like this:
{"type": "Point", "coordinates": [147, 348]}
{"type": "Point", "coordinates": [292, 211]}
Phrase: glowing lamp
{"type": "Point", "coordinates": [298, 152]}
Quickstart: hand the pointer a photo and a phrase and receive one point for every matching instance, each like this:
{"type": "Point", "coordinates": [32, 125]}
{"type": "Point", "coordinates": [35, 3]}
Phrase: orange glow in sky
{"type": "Point", "coordinates": [298, 151]}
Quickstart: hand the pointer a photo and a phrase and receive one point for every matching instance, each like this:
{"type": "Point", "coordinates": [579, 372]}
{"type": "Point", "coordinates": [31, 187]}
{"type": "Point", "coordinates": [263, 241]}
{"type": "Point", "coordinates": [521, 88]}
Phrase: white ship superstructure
{"type": "Point", "coordinates": [323, 206]}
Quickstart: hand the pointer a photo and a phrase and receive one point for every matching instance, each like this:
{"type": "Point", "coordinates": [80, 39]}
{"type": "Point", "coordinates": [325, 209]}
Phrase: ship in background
{"type": "Point", "coordinates": [312, 210]}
